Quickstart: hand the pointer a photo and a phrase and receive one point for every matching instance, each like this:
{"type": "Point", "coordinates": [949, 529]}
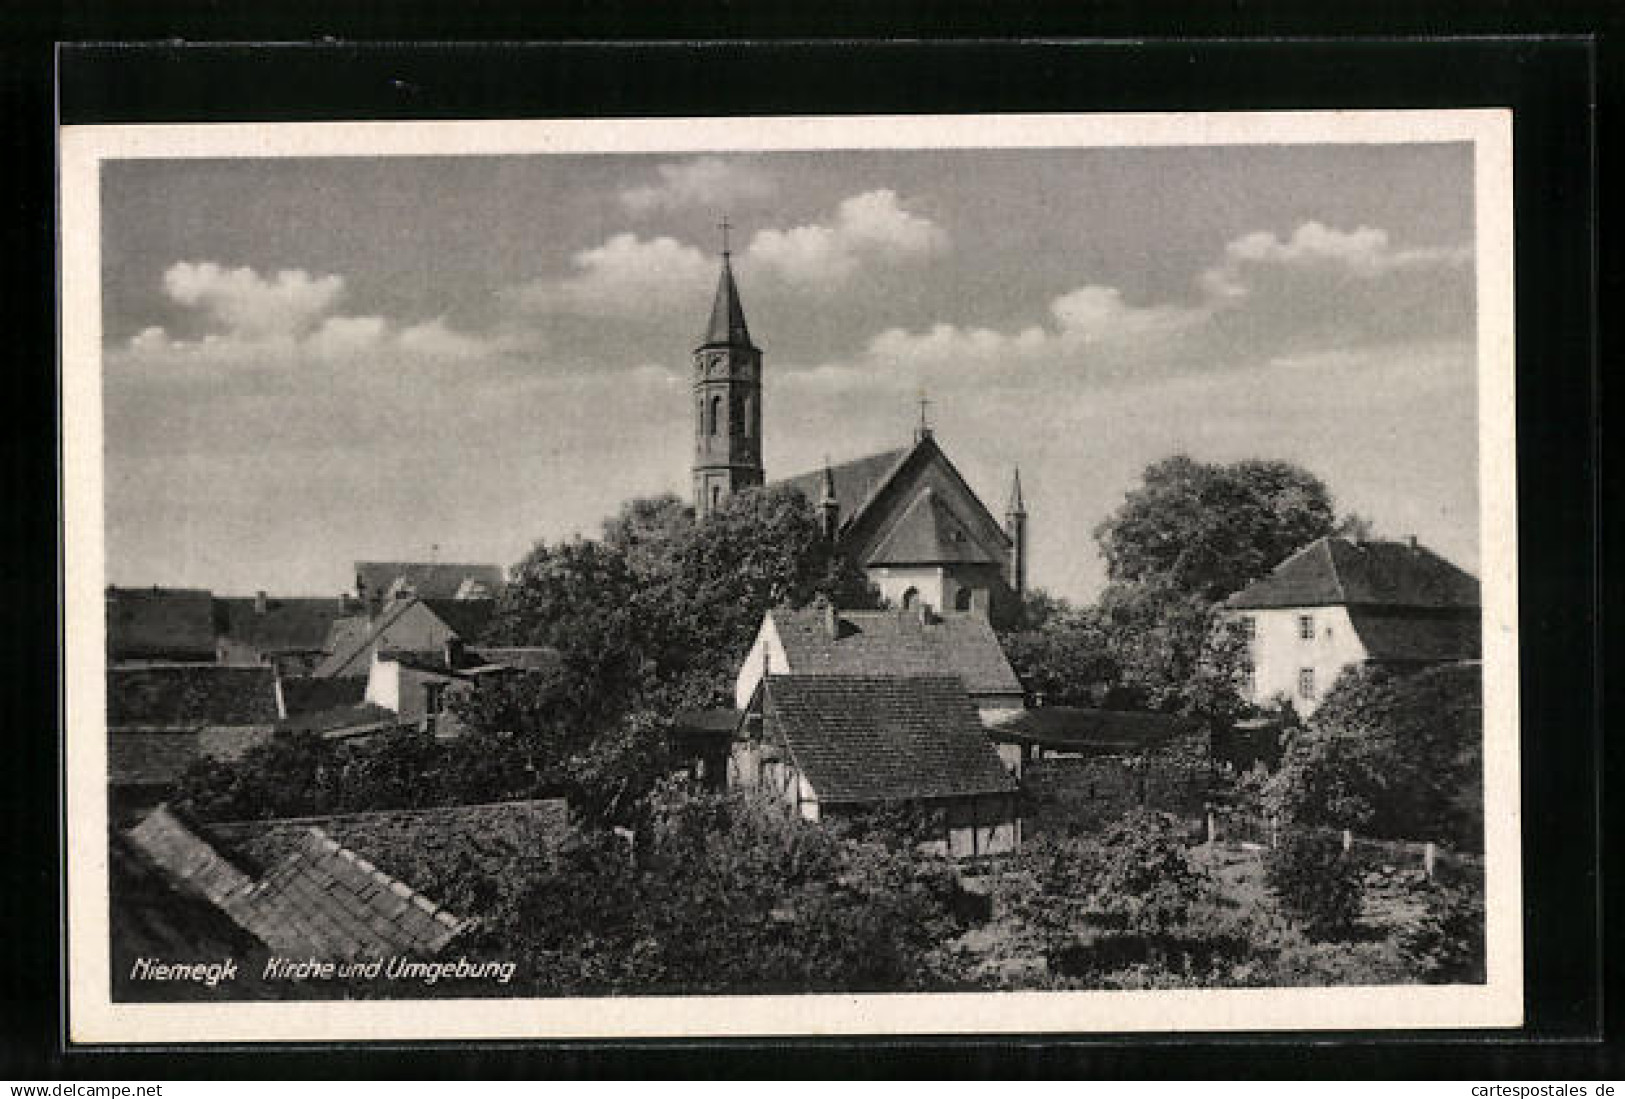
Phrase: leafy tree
{"type": "Point", "coordinates": [1064, 656]}
{"type": "Point", "coordinates": [1172, 650]}
{"type": "Point", "coordinates": [1447, 944]}
{"type": "Point", "coordinates": [1208, 530]}
{"type": "Point", "coordinates": [1316, 882]}
{"type": "Point", "coordinates": [1392, 755]}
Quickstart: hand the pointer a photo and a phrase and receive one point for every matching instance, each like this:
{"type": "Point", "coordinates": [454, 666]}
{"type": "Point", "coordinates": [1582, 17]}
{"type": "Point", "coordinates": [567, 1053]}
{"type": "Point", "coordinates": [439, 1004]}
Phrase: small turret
{"type": "Point", "coordinates": [829, 505]}
{"type": "Point", "coordinates": [1015, 526]}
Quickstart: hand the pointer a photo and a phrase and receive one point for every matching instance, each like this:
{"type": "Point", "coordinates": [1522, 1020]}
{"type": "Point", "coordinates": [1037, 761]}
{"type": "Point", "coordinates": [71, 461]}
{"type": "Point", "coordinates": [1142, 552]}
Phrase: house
{"type": "Point", "coordinates": [1338, 603]}
{"type": "Point", "coordinates": [415, 686]}
{"type": "Point", "coordinates": [381, 582]}
{"type": "Point", "coordinates": [288, 633]}
{"type": "Point", "coordinates": [408, 624]}
{"type": "Point", "coordinates": [834, 746]}
{"type": "Point", "coordinates": [820, 640]}
{"type": "Point", "coordinates": [906, 516]}
{"type": "Point", "coordinates": [162, 717]}
{"type": "Point", "coordinates": [160, 624]}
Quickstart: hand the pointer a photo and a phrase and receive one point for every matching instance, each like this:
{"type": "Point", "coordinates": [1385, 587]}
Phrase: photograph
{"type": "Point", "coordinates": [774, 576]}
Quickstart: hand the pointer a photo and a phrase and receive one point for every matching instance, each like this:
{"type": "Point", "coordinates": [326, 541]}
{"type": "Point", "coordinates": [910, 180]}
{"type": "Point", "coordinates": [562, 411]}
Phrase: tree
{"type": "Point", "coordinates": [1394, 755]}
{"type": "Point", "coordinates": [1063, 655]}
{"type": "Point", "coordinates": [1208, 530]}
{"type": "Point", "coordinates": [1317, 882]}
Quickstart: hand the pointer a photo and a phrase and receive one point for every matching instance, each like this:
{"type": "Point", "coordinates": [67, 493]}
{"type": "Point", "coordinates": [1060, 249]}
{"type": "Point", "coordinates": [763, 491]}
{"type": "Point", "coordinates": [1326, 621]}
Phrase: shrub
{"type": "Point", "coordinates": [1317, 883]}
{"type": "Point", "coordinates": [1446, 946]}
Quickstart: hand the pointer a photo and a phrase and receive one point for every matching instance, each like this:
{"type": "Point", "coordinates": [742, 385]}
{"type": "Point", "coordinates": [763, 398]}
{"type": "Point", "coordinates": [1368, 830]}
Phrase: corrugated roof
{"type": "Point", "coordinates": [896, 643]}
{"type": "Point", "coordinates": [285, 625]}
{"type": "Point", "coordinates": [1337, 571]}
{"type": "Point", "coordinates": [160, 623]}
{"type": "Point", "coordinates": [929, 533]}
{"type": "Point", "coordinates": [1084, 729]}
{"type": "Point", "coordinates": [191, 695]}
{"type": "Point", "coordinates": [320, 897]}
{"type": "Point", "coordinates": [884, 738]}
{"type": "Point", "coordinates": [1417, 638]}
{"type": "Point", "coordinates": [426, 579]}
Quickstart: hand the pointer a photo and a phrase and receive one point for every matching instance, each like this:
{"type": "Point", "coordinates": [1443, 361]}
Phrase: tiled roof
{"type": "Point", "coordinates": [395, 839]}
{"type": "Point", "coordinates": [160, 623]}
{"type": "Point", "coordinates": [467, 618]}
{"type": "Point", "coordinates": [1417, 638]}
{"type": "Point", "coordinates": [353, 719]}
{"type": "Point", "coordinates": [873, 738]}
{"type": "Point", "coordinates": [1101, 732]}
{"type": "Point", "coordinates": [149, 759]}
{"type": "Point", "coordinates": [855, 481]}
{"type": "Point", "coordinates": [1338, 571]}
{"type": "Point", "coordinates": [312, 694]}
{"type": "Point", "coordinates": [896, 643]}
{"type": "Point", "coordinates": [427, 579]}
{"type": "Point", "coordinates": [285, 625]}
{"type": "Point", "coordinates": [929, 533]}
{"type": "Point", "coordinates": [319, 897]}
{"type": "Point", "coordinates": [345, 633]}
{"type": "Point", "coordinates": [151, 917]}
{"type": "Point", "coordinates": [191, 696]}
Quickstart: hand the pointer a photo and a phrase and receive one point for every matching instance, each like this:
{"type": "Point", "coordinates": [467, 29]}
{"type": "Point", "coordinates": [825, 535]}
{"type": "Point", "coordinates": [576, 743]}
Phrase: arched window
{"type": "Point", "coordinates": [750, 403]}
{"type": "Point", "coordinates": [962, 599]}
{"type": "Point", "coordinates": [716, 495]}
{"type": "Point", "coordinates": [714, 416]}
{"type": "Point", "coordinates": [911, 599]}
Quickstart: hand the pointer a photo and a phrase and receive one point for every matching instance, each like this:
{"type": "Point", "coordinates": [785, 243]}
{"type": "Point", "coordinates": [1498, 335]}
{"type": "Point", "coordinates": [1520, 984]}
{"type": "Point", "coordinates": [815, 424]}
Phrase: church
{"type": "Point", "coordinates": [906, 516]}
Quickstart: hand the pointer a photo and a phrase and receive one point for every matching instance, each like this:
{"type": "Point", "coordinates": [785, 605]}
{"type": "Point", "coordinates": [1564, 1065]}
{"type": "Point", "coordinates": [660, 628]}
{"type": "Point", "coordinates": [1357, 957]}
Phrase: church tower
{"type": "Point", "coordinates": [727, 400]}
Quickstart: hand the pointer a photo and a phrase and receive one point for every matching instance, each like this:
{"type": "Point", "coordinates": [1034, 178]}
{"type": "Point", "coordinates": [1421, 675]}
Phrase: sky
{"type": "Point", "coordinates": [309, 362]}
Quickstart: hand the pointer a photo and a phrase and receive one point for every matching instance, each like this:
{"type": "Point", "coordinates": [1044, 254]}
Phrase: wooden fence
{"type": "Point", "coordinates": [1230, 826]}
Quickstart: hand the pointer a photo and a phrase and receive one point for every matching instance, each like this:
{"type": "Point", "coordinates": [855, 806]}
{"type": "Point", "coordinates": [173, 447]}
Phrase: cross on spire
{"type": "Point", "coordinates": [924, 430]}
{"type": "Point", "coordinates": [724, 226]}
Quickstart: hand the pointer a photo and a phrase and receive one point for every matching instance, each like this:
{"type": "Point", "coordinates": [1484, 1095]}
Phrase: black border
{"type": "Point", "coordinates": [1550, 82]}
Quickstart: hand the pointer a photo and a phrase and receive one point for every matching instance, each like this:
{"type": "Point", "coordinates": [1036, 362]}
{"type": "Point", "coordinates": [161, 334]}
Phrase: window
{"type": "Point", "coordinates": [962, 599]}
{"type": "Point", "coordinates": [716, 495]}
{"type": "Point", "coordinates": [1306, 683]}
{"type": "Point", "coordinates": [746, 432]}
{"type": "Point", "coordinates": [434, 697]}
{"type": "Point", "coordinates": [1249, 626]}
{"type": "Point", "coordinates": [1306, 627]}
{"type": "Point", "coordinates": [713, 416]}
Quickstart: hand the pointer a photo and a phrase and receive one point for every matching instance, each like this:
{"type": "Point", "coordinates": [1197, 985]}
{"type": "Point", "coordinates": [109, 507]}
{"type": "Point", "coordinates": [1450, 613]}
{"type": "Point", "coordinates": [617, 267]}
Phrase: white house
{"type": "Point", "coordinates": [1337, 603]}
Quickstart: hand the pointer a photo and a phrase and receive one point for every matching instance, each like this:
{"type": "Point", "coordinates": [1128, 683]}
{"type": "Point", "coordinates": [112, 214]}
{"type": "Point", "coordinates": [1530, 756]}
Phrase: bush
{"type": "Point", "coordinates": [1317, 883]}
{"type": "Point", "coordinates": [1446, 946]}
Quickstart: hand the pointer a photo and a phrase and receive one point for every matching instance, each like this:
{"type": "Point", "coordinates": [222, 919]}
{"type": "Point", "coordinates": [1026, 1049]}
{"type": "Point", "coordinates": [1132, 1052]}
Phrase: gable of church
{"type": "Point", "coordinates": [925, 508]}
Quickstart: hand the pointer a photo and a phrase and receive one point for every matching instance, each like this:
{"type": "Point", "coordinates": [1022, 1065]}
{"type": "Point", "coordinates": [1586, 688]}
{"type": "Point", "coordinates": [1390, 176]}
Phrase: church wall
{"type": "Point", "coordinates": [929, 581]}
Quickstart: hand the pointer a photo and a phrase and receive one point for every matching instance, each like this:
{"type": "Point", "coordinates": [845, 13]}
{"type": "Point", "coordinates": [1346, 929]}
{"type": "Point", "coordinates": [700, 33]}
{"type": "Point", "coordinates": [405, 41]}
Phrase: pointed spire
{"type": "Point", "coordinates": [727, 325]}
{"type": "Point", "coordinates": [1015, 506]}
{"type": "Point", "coordinates": [923, 432]}
{"type": "Point", "coordinates": [826, 493]}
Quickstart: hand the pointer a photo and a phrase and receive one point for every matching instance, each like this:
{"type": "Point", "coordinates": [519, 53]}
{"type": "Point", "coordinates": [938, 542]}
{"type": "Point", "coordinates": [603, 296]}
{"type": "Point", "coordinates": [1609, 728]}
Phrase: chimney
{"type": "Point", "coordinates": [259, 602]}
{"type": "Point", "coordinates": [1412, 540]}
{"type": "Point", "coordinates": [832, 619]}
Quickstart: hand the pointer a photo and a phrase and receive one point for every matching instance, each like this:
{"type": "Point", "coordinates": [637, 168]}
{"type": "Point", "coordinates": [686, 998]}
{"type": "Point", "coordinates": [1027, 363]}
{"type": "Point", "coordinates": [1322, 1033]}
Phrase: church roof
{"type": "Point", "coordinates": [727, 324]}
{"type": "Point", "coordinates": [856, 482]}
{"type": "Point", "coordinates": [885, 738]}
{"type": "Point", "coordinates": [1333, 571]}
{"type": "Point", "coordinates": [929, 533]}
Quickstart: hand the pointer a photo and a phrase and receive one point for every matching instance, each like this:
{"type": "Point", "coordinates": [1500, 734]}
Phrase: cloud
{"type": "Point", "coordinates": [627, 274]}
{"type": "Point", "coordinates": [270, 331]}
{"type": "Point", "coordinates": [871, 226]}
{"type": "Point", "coordinates": [1307, 299]}
{"type": "Point", "coordinates": [707, 181]}
{"type": "Point", "coordinates": [241, 300]}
